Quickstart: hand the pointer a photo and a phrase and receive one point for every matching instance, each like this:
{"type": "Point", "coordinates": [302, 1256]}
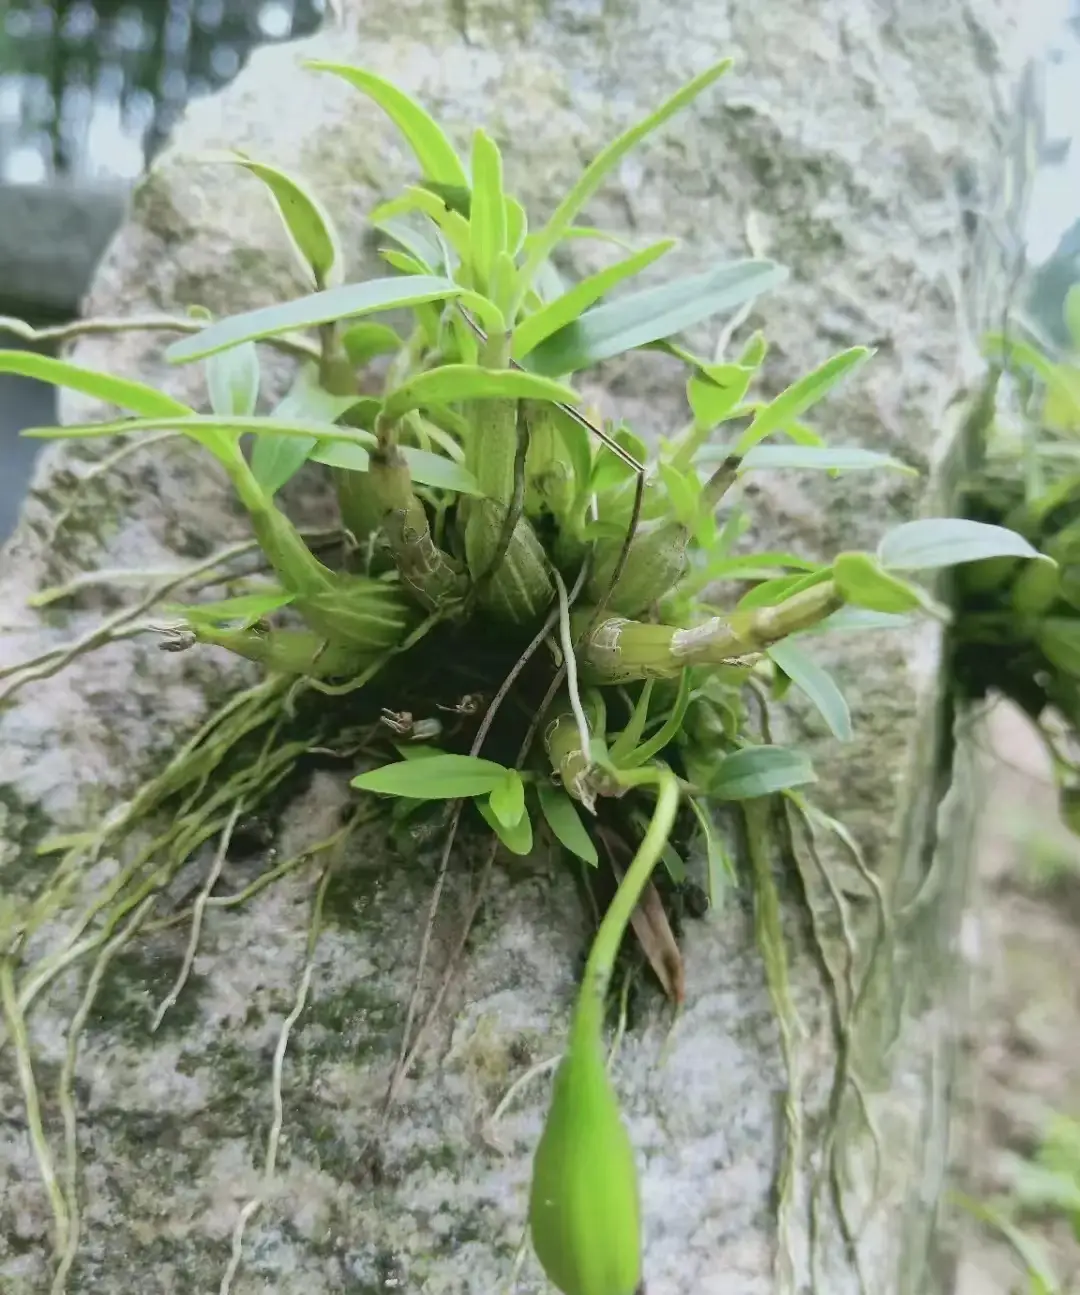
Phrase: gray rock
{"type": "Point", "coordinates": [834, 146]}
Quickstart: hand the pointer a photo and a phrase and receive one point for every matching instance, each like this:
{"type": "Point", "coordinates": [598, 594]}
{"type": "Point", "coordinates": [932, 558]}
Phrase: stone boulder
{"type": "Point", "coordinates": [843, 146]}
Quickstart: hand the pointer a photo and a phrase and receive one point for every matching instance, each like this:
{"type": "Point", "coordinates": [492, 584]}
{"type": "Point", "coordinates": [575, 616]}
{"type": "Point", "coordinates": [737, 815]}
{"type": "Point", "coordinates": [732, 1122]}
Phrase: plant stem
{"type": "Point", "coordinates": [617, 650]}
{"type": "Point", "coordinates": [589, 1013]}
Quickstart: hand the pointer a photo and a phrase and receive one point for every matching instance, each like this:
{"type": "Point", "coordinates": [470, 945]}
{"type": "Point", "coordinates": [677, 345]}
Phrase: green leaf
{"type": "Point", "coordinates": [862, 581]}
{"type": "Point", "coordinates": [242, 611]}
{"type": "Point", "coordinates": [545, 241]}
{"type": "Point", "coordinates": [232, 380]}
{"type": "Point", "coordinates": [683, 490]}
{"type": "Point", "coordinates": [454, 382]}
{"type": "Point", "coordinates": [196, 424]}
{"type": "Point", "coordinates": [275, 459]}
{"type": "Point", "coordinates": [805, 673]}
{"type": "Point", "coordinates": [1071, 314]}
{"type": "Point", "coordinates": [750, 565]}
{"type": "Point", "coordinates": [638, 318]}
{"type": "Point", "coordinates": [440, 777]}
{"type": "Point", "coordinates": [578, 447]}
{"type": "Point", "coordinates": [1059, 639]}
{"type": "Point", "coordinates": [565, 822]}
{"type": "Point", "coordinates": [800, 396]}
{"type": "Point", "coordinates": [713, 401]}
{"type": "Point", "coordinates": [535, 328]}
{"type": "Point", "coordinates": [346, 302]}
{"type": "Point", "coordinates": [433, 150]}
{"type": "Point", "coordinates": [849, 619]}
{"type": "Point", "coordinates": [454, 227]}
{"type": "Point", "coordinates": [760, 771]}
{"type": "Point", "coordinates": [507, 800]}
{"type": "Point", "coordinates": [454, 196]}
{"type": "Point", "coordinates": [824, 458]}
{"type": "Point", "coordinates": [720, 865]}
{"type": "Point", "coordinates": [424, 251]}
{"type": "Point", "coordinates": [631, 734]}
{"type": "Point", "coordinates": [307, 222]}
{"type": "Point", "coordinates": [487, 216]}
{"type": "Point", "coordinates": [517, 225]}
{"type": "Point", "coordinates": [769, 592]}
{"type": "Point", "coordinates": [518, 839]}
{"type": "Point", "coordinates": [668, 731]}
{"type": "Point", "coordinates": [673, 862]}
{"type": "Point", "coordinates": [948, 541]}
{"type": "Point", "coordinates": [754, 352]}
{"type": "Point", "coordinates": [123, 392]}
{"type": "Point", "coordinates": [426, 468]}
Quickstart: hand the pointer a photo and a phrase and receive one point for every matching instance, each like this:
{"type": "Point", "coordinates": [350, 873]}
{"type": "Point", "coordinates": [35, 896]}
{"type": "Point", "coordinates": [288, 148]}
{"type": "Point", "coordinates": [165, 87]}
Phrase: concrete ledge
{"type": "Point", "coordinates": [51, 239]}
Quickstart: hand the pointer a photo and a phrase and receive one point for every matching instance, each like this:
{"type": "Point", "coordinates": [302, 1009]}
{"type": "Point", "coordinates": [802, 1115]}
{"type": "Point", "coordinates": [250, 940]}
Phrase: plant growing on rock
{"type": "Point", "coordinates": [1017, 630]}
{"type": "Point", "coordinates": [540, 615]}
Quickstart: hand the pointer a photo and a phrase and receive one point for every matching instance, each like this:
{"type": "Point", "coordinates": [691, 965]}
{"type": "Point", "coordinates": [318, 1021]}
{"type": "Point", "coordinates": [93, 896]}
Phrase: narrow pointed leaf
{"type": "Point", "coordinates": [517, 225]}
{"type": "Point", "coordinates": [544, 243]}
{"type": "Point", "coordinates": [232, 380]}
{"type": "Point", "coordinates": [454, 227]}
{"type": "Point", "coordinates": [487, 212]}
{"type": "Point", "coordinates": [420, 246]}
{"type": "Point", "coordinates": [275, 459]}
{"type": "Point", "coordinates": [667, 732]}
{"type": "Point", "coordinates": [565, 822]}
{"type": "Point", "coordinates": [123, 392]}
{"type": "Point", "coordinates": [816, 682]}
{"type": "Point", "coordinates": [947, 541]}
{"type": "Point", "coordinates": [719, 863]}
{"type": "Point", "coordinates": [800, 396]}
{"type": "Point", "coordinates": [439, 777]}
{"type": "Point", "coordinates": [242, 611]}
{"type": "Point", "coordinates": [426, 468]}
{"type": "Point", "coordinates": [306, 221]}
{"type": "Point", "coordinates": [760, 771]}
{"type": "Point", "coordinates": [823, 458]}
{"type": "Point", "coordinates": [565, 309]}
{"type": "Point", "coordinates": [1071, 314]}
{"type": "Point", "coordinates": [863, 582]}
{"type": "Point", "coordinates": [425, 137]}
{"type": "Point", "coordinates": [347, 302]}
{"type": "Point", "coordinates": [203, 423]}
{"type": "Point", "coordinates": [455, 382]}
{"type": "Point", "coordinates": [638, 318]}
{"type": "Point", "coordinates": [853, 619]}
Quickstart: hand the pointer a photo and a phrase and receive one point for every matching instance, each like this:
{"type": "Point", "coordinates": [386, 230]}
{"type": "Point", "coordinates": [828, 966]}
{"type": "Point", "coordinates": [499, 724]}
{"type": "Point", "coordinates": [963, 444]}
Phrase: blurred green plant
{"type": "Point", "coordinates": [497, 539]}
{"type": "Point", "coordinates": [1017, 631]}
{"type": "Point", "coordinates": [1046, 1187]}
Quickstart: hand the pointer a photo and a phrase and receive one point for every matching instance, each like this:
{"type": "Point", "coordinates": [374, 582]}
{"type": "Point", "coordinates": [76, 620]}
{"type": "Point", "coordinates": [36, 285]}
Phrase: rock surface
{"type": "Point", "coordinates": [839, 148]}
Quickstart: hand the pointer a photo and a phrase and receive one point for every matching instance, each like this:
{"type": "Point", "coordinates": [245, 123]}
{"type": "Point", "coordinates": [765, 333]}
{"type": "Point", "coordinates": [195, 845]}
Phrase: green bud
{"type": "Point", "coordinates": [987, 575]}
{"type": "Point", "coordinates": [1036, 588]}
{"type": "Point", "coordinates": [519, 590]}
{"type": "Point", "coordinates": [584, 1212]}
{"type": "Point", "coordinates": [429, 574]}
{"type": "Point", "coordinates": [287, 651]}
{"type": "Point", "coordinates": [549, 472]}
{"type": "Point", "coordinates": [655, 564]}
{"type": "Point", "coordinates": [359, 611]}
